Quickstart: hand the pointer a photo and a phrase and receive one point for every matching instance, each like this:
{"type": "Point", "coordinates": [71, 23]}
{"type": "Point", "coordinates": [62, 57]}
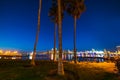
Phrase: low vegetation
{"type": "Point", "coordinates": [46, 70]}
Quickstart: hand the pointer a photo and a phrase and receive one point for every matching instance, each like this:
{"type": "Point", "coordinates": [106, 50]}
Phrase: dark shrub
{"type": "Point", "coordinates": [118, 64]}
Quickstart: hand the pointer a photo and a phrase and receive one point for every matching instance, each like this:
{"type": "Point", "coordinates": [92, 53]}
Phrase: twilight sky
{"type": "Point", "coordinates": [98, 27]}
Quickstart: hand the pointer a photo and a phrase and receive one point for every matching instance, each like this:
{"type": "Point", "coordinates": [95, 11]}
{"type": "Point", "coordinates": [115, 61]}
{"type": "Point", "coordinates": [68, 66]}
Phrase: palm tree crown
{"type": "Point", "coordinates": [75, 7]}
{"type": "Point", "coordinates": [53, 12]}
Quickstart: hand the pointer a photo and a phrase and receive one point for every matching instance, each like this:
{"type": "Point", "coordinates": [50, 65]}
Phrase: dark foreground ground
{"type": "Point", "coordinates": [47, 70]}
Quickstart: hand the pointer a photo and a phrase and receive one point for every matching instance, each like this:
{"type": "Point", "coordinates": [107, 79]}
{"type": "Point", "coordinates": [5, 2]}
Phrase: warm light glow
{"type": "Point", "coordinates": [7, 53]}
{"type": "Point", "coordinates": [15, 52]}
{"type": "Point", "coordinates": [13, 57]}
{"type": "Point", "coordinates": [118, 52]}
{"type": "Point", "coordinates": [10, 53]}
{"type": "Point", "coordinates": [1, 51]}
{"type": "Point", "coordinates": [108, 67]}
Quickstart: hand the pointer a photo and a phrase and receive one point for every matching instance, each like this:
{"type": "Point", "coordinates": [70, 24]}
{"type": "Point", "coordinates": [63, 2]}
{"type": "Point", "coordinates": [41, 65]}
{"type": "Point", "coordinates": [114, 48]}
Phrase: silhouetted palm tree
{"type": "Point", "coordinates": [60, 63]}
{"type": "Point", "coordinates": [53, 14]}
{"type": "Point", "coordinates": [75, 9]}
{"type": "Point", "coordinates": [37, 34]}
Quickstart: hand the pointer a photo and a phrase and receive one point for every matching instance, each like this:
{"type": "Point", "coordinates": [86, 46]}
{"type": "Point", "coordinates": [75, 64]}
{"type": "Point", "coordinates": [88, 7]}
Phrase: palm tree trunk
{"type": "Point", "coordinates": [75, 57]}
{"type": "Point", "coordinates": [37, 35]}
{"type": "Point", "coordinates": [54, 55]}
{"type": "Point", "coordinates": [60, 64]}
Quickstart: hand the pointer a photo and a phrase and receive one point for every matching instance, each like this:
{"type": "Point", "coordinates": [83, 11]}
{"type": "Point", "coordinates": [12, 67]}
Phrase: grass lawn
{"type": "Point", "coordinates": [46, 70]}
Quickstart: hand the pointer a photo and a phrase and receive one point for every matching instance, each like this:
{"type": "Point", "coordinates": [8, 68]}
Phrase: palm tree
{"type": "Point", "coordinates": [37, 35]}
{"type": "Point", "coordinates": [75, 8]}
{"type": "Point", "coordinates": [54, 18]}
{"type": "Point", "coordinates": [53, 14]}
{"type": "Point", "coordinates": [60, 63]}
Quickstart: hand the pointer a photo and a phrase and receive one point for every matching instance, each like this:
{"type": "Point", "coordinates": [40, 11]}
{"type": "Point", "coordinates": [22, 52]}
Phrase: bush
{"type": "Point", "coordinates": [118, 64]}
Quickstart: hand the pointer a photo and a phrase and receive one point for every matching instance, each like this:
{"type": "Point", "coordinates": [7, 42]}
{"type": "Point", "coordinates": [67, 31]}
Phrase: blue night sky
{"type": "Point", "coordinates": [98, 27]}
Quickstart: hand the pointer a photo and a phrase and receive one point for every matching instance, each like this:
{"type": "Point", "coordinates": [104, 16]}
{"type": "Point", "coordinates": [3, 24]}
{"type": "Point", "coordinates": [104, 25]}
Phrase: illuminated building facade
{"type": "Point", "coordinates": [7, 54]}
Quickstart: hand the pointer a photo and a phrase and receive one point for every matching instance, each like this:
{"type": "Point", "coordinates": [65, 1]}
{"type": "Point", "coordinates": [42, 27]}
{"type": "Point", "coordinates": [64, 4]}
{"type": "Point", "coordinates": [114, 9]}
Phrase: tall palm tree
{"type": "Point", "coordinates": [37, 35]}
{"type": "Point", "coordinates": [60, 63]}
{"type": "Point", "coordinates": [53, 14]}
{"type": "Point", "coordinates": [75, 8]}
{"type": "Point", "coordinates": [54, 18]}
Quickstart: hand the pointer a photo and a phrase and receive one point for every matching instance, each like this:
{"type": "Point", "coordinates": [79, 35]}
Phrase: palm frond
{"type": "Point", "coordinates": [75, 7]}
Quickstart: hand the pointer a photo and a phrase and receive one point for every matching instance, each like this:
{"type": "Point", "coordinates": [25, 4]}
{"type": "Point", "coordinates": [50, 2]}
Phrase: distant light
{"type": "Point", "coordinates": [7, 53]}
{"type": "Point", "coordinates": [13, 57]}
{"type": "Point", "coordinates": [15, 52]}
{"type": "Point", "coordinates": [30, 56]}
{"type": "Point", "coordinates": [1, 51]}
